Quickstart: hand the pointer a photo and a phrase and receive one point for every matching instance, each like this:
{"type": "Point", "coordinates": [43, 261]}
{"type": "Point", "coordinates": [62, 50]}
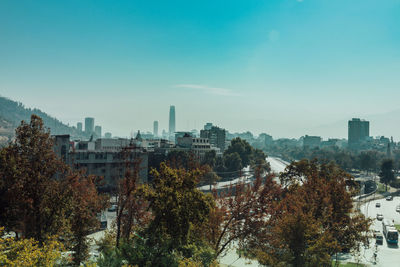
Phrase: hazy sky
{"type": "Point", "coordinates": [285, 67]}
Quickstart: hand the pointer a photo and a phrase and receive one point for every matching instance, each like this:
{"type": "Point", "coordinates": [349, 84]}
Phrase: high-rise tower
{"type": "Point", "coordinates": [171, 122]}
{"type": "Point", "coordinates": [358, 131]}
{"type": "Point", "coordinates": [89, 126]}
{"type": "Point", "coordinates": [97, 131]}
{"type": "Point", "coordinates": [155, 128]}
{"type": "Point", "coordinates": [79, 126]}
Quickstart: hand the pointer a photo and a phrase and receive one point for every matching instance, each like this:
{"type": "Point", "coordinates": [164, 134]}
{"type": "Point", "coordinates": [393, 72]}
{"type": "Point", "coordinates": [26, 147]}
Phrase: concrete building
{"type": "Point", "coordinates": [216, 136]}
{"type": "Point", "coordinates": [199, 146]}
{"type": "Point", "coordinates": [79, 126]}
{"type": "Point", "coordinates": [89, 126]}
{"type": "Point", "coordinates": [108, 158]}
{"type": "Point", "coordinates": [107, 135]}
{"type": "Point", "coordinates": [172, 125]}
{"type": "Point", "coordinates": [181, 134]}
{"type": "Point", "coordinates": [97, 131]}
{"type": "Point", "coordinates": [311, 141]}
{"type": "Point", "coordinates": [358, 132]}
{"type": "Point", "coordinates": [155, 128]}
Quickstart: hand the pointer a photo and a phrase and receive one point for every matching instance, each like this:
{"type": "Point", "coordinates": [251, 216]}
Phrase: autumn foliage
{"type": "Point", "coordinates": [40, 196]}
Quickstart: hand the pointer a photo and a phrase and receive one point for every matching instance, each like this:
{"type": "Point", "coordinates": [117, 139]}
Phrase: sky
{"type": "Point", "coordinates": [283, 67]}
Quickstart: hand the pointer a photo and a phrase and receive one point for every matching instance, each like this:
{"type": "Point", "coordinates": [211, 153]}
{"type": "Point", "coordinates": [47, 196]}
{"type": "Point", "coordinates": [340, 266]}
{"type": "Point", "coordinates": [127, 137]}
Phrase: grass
{"type": "Point", "coordinates": [397, 227]}
{"type": "Point", "coordinates": [348, 264]}
{"type": "Point", "coordinates": [381, 188]}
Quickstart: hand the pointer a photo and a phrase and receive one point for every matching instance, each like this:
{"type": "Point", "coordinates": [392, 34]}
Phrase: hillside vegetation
{"type": "Point", "coordinates": [12, 113]}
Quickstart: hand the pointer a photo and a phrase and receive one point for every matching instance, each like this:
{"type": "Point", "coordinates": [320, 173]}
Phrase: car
{"type": "Point", "coordinates": [113, 208]}
{"type": "Point", "coordinates": [379, 216]}
{"type": "Point", "coordinates": [389, 198]}
{"type": "Point", "coordinates": [398, 208]}
{"type": "Point", "coordinates": [377, 204]}
{"type": "Point", "coordinates": [379, 238]}
{"type": "Point", "coordinates": [375, 232]}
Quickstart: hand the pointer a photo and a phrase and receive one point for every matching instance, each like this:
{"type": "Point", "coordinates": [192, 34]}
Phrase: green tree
{"type": "Point", "coordinates": [233, 162]}
{"type": "Point", "coordinates": [242, 148]}
{"type": "Point", "coordinates": [175, 203]}
{"type": "Point", "coordinates": [210, 158]}
{"type": "Point", "coordinates": [386, 174]}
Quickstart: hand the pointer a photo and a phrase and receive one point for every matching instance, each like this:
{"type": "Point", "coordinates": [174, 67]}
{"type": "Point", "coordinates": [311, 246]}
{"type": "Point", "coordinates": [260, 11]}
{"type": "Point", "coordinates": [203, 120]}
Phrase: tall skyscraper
{"type": "Point", "coordinates": [79, 126]}
{"type": "Point", "coordinates": [89, 126]}
{"type": "Point", "coordinates": [358, 131]}
{"type": "Point", "coordinates": [171, 121]}
{"type": "Point", "coordinates": [155, 128]}
{"type": "Point", "coordinates": [97, 131]}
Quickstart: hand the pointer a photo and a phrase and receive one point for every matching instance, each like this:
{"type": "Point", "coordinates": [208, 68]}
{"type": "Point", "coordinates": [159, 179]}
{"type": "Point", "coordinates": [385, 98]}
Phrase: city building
{"type": "Point", "coordinates": [266, 139]}
{"type": "Point", "coordinates": [89, 126]}
{"type": "Point", "coordinates": [97, 131]}
{"type": "Point", "coordinates": [208, 126]}
{"type": "Point", "coordinates": [181, 134]}
{"type": "Point", "coordinates": [172, 125]}
{"type": "Point", "coordinates": [311, 141]}
{"type": "Point", "coordinates": [358, 132]}
{"type": "Point", "coordinates": [331, 142]}
{"type": "Point", "coordinates": [216, 136]}
{"type": "Point", "coordinates": [198, 146]}
{"type": "Point", "coordinates": [107, 135]}
{"type": "Point", "coordinates": [155, 128]}
{"type": "Point", "coordinates": [79, 126]}
{"type": "Point", "coordinates": [104, 157]}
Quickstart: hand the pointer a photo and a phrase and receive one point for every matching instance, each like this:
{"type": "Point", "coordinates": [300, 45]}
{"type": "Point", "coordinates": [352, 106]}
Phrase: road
{"type": "Point", "coordinates": [277, 165]}
{"type": "Point", "coordinates": [387, 255]}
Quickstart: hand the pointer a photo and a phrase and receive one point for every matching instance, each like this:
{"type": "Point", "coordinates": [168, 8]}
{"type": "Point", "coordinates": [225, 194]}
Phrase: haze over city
{"type": "Point", "coordinates": [288, 68]}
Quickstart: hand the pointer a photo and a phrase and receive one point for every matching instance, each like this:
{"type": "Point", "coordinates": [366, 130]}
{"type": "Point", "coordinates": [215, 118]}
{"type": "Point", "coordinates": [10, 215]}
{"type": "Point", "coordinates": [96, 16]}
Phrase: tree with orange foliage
{"type": "Point", "coordinates": [238, 213]}
{"type": "Point", "coordinates": [314, 220]}
{"type": "Point", "coordinates": [32, 199]}
{"type": "Point", "coordinates": [40, 195]}
{"type": "Point", "coordinates": [132, 209]}
{"type": "Point", "coordinates": [86, 203]}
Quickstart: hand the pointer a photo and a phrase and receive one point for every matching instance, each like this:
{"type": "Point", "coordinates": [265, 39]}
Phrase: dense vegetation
{"type": "Point", "coordinates": [12, 113]}
{"type": "Point", "coordinates": [304, 220]}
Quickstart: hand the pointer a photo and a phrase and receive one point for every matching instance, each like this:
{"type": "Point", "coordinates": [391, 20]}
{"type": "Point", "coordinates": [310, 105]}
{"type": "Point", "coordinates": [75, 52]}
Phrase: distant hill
{"type": "Point", "coordinates": [12, 113]}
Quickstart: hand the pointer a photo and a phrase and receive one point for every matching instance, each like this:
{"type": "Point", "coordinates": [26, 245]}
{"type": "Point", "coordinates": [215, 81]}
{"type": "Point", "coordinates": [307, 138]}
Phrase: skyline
{"type": "Point", "coordinates": [83, 125]}
{"type": "Point", "coordinates": [287, 68]}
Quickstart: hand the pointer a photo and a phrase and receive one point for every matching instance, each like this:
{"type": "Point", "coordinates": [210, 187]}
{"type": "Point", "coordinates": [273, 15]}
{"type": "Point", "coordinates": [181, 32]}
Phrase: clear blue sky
{"type": "Point", "coordinates": [285, 67]}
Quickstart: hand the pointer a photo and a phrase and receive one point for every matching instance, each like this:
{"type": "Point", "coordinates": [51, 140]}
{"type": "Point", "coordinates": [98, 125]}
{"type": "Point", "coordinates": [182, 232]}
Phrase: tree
{"type": "Point", "coordinates": [177, 208]}
{"type": "Point", "coordinates": [233, 162]}
{"type": "Point", "coordinates": [175, 203]}
{"type": "Point", "coordinates": [314, 220]}
{"type": "Point", "coordinates": [182, 159]}
{"type": "Point", "coordinates": [131, 208]}
{"type": "Point", "coordinates": [259, 163]}
{"type": "Point", "coordinates": [368, 160]}
{"type": "Point", "coordinates": [28, 252]}
{"type": "Point", "coordinates": [42, 196]}
{"type": "Point", "coordinates": [242, 148]}
{"type": "Point", "coordinates": [239, 213]}
{"type": "Point", "coordinates": [386, 174]}
{"type": "Point", "coordinates": [209, 176]}
{"type": "Point", "coordinates": [210, 158]}
{"type": "Point", "coordinates": [32, 197]}
{"type": "Point", "coordinates": [86, 204]}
